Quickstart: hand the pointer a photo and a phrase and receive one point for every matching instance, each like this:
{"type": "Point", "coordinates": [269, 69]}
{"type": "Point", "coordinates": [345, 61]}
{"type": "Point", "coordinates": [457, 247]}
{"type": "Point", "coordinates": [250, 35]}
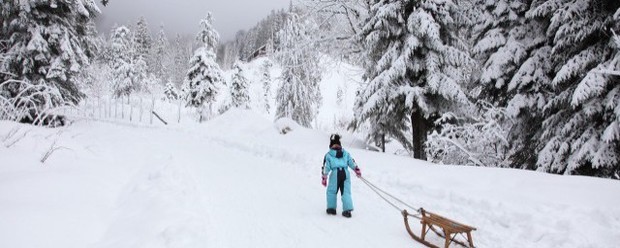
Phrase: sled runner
{"type": "Point", "coordinates": [450, 229]}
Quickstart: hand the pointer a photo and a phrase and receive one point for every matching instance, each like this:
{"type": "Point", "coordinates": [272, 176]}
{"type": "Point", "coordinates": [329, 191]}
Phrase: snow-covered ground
{"type": "Point", "coordinates": [235, 181]}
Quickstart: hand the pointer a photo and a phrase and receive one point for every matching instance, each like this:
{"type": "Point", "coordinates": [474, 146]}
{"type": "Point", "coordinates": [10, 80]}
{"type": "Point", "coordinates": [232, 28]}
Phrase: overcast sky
{"type": "Point", "coordinates": [183, 16]}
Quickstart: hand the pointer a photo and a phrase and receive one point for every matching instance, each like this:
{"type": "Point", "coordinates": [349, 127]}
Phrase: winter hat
{"type": "Point", "coordinates": [334, 140]}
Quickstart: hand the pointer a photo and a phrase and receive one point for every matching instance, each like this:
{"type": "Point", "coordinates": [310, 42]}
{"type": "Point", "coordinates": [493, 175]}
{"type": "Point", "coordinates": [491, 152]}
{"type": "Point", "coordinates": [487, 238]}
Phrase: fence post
{"type": "Point", "coordinates": [179, 111]}
{"type": "Point", "coordinates": [130, 111]}
{"type": "Point", "coordinates": [152, 109]}
{"type": "Point", "coordinates": [109, 108]}
{"type": "Point", "coordinates": [94, 109]}
{"type": "Point", "coordinates": [115, 108]}
{"type": "Point", "coordinates": [106, 106]}
{"type": "Point", "coordinates": [122, 109]}
{"type": "Point", "coordinates": [99, 107]}
{"type": "Point", "coordinates": [141, 109]}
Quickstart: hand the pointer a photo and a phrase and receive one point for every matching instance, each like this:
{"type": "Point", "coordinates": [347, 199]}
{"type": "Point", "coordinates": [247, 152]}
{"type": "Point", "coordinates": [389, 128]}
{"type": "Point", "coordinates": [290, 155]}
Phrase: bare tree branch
{"type": "Point", "coordinates": [51, 150]}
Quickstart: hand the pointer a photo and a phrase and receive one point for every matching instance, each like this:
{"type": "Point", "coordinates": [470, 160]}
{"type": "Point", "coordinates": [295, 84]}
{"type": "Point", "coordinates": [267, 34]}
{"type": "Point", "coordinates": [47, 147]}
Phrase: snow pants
{"type": "Point", "coordinates": [339, 181]}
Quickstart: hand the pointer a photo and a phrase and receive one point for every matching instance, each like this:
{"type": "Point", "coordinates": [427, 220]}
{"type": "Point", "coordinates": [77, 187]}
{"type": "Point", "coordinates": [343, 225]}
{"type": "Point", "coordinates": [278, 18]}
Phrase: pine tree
{"type": "Point", "coordinates": [514, 72]}
{"type": "Point", "coordinates": [440, 65]}
{"type": "Point", "coordinates": [381, 36]}
{"type": "Point", "coordinates": [239, 89]}
{"type": "Point", "coordinates": [160, 56]}
{"type": "Point", "coordinates": [142, 39]}
{"type": "Point", "coordinates": [170, 91]}
{"type": "Point", "coordinates": [180, 61]}
{"type": "Point", "coordinates": [501, 44]}
{"type": "Point", "coordinates": [123, 67]}
{"type": "Point", "coordinates": [266, 80]}
{"type": "Point", "coordinates": [298, 97]}
{"type": "Point", "coordinates": [416, 65]}
{"type": "Point", "coordinates": [204, 75]}
{"type": "Point", "coordinates": [580, 128]}
{"type": "Point", "coordinates": [46, 47]}
{"type": "Point", "coordinates": [144, 81]}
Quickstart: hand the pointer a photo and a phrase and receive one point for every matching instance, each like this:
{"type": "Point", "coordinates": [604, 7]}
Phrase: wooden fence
{"type": "Point", "coordinates": [145, 110]}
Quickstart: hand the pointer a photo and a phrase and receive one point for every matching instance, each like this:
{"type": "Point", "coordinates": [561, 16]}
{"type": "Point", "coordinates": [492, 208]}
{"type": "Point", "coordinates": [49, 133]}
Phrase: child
{"type": "Point", "coordinates": [335, 165]}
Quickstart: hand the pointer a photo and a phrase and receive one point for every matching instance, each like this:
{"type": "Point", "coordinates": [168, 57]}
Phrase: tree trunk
{"type": "Point", "coordinates": [418, 131]}
{"type": "Point", "coordinates": [383, 142]}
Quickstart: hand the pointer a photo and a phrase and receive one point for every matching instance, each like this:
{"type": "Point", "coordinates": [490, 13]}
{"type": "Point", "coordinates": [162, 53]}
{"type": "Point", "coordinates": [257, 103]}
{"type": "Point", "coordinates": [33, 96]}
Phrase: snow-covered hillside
{"type": "Point", "coordinates": [235, 181]}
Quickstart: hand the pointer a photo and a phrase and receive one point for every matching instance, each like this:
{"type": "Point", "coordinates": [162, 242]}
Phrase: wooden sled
{"type": "Point", "coordinates": [450, 229]}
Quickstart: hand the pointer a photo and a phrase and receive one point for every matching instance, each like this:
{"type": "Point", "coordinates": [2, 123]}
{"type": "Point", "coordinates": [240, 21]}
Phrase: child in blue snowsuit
{"type": "Point", "coordinates": [335, 165]}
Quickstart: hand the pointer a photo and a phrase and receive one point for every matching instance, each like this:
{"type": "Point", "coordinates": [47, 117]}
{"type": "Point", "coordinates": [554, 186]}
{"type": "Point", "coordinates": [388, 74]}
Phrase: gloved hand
{"type": "Point", "coordinates": [324, 180]}
{"type": "Point", "coordinates": [358, 172]}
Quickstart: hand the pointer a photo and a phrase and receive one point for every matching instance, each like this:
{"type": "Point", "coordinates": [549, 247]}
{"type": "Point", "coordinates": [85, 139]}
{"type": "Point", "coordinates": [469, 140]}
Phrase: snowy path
{"type": "Point", "coordinates": [241, 184]}
{"type": "Point", "coordinates": [195, 189]}
{"type": "Point", "coordinates": [275, 203]}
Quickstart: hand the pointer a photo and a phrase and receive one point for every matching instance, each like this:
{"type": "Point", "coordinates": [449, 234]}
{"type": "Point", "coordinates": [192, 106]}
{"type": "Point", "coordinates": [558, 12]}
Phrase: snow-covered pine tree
{"type": "Point", "coordinates": [266, 82]}
{"type": "Point", "coordinates": [375, 109]}
{"type": "Point", "coordinates": [123, 68]}
{"type": "Point", "coordinates": [439, 65]}
{"type": "Point", "coordinates": [143, 80]}
{"type": "Point", "coordinates": [503, 40]}
{"type": "Point", "coordinates": [581, 131]}
{"type": "Point", "coordinates": [239, 92]}
{"type": "Point", "coordinates": [160, 56]}
{"type": "Point", "coordinates": [417, 64]}
{"type": "Point", "coordinates": [142, 43]}
{"type": "Point", "coordinates": [170, 92]}
{"type": "Point", "coordinates": [204, 74]}
{"type": "Point", "coordinates": [499, 45]}
{"type": "Point", "coordinates": [512, 52]}
{"type": "Point", "coordinates": [299, 96]}
{"type": "Point", "coordinates": [93, 42]}
{"type": "Point", "coordinates": [142, 39]}
{"type": "Point", "coordinates": [45, 46]}
{"type": "Point", "coordinates": [180, 60]}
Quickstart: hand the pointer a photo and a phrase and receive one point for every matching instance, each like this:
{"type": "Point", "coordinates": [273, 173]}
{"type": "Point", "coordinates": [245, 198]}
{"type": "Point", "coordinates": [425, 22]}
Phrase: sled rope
{"type": "Point", "coordinates": [382, 193]}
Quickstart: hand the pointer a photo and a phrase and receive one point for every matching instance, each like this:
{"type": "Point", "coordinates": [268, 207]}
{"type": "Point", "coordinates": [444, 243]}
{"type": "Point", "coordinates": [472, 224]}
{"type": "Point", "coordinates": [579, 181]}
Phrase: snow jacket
{"type": "Point", "coordinates": [335, 159]}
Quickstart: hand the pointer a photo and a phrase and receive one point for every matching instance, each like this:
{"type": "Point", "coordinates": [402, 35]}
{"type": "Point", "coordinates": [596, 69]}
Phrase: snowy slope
{"type": "Point", "coordinates": [237, 182]}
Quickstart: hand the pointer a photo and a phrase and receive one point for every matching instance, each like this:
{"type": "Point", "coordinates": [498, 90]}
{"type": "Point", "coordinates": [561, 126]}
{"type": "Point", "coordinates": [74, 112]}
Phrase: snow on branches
{"type": "Point", "coordinates": [204, 75]}
{"type": "Point", "coordinates": [299, 96]}
{"type": "Point", "coordinates": [43, 52]}
{"type": "Point", "coordinates": [480, 139]}
{"type": "Point", "coordinates": [239, 91]}
{"type": "Point", "coordinates": [416, 68]}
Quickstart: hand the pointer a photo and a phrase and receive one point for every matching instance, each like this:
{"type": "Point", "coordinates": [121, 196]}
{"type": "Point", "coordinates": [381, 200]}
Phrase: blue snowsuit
{"type": "Point", "coordinates": [336, 162]}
